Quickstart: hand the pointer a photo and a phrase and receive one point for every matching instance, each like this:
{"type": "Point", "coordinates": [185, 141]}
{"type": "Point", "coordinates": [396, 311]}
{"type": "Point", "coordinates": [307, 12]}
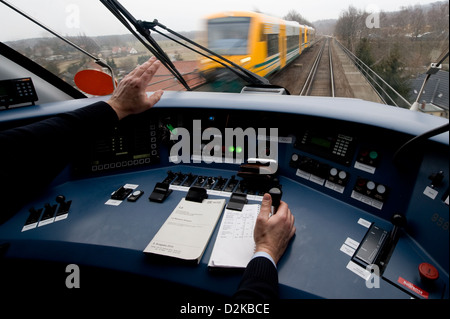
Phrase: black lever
{"type": "Point", "coordinates": [276, 194]}
{"type": "Point", "coordinates": [399, 221]}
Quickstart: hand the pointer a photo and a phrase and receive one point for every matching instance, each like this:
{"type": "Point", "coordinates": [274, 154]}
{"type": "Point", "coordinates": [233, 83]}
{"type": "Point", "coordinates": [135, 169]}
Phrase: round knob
{"type": "Point", "coordinates": [428, 272]}
{"type": "Point", "coordinates": [370, 185]}
{"type": "Point", "coordinates": [342, 175]}
{"type": "Point", "coordinates": [361, 182]}
{"type": "Point", "coordinates": [381, 189]}
{"type": "Point", "coordinates": [373, 155]}
{"type": "Point", "coordinates": [333, 172]}
{"type": "Point", "coordinates": [398, 220]}
{"type": "Point", "coordinates": [294, 157]}
{"type": "Point", "coordinates": [60, 199]}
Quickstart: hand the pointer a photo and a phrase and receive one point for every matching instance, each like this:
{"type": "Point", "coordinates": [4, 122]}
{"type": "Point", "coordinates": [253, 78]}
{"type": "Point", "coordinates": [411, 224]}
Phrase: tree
{"type": "Point", "coordinates": [142, 58]}
{"type": "Point", "coordinates": [417, 21]}
{"type": "Point", "coordinates": [364, 52]}
{"type": "Point", "coordinates": [391, 69]}
{"type": "Point", "coordinates": [111, 63]}
{"type": "Point", "coordinates": [295, 16]}
{"type": "Point", "coordinates": [348, 27]}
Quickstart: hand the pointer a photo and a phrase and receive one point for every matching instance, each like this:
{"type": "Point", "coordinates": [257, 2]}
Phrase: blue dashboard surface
{"type": "Point", "coordinates": [331, 221]}
{"type": "Point", "coordinates": [115, 236]}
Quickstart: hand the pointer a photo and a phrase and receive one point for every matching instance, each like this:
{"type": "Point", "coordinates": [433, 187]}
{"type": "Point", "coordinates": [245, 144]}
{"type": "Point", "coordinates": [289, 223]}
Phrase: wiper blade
{"type": "Point", "coordinates": [247, 75]}
{"type": "Point", "coordinates": [126, 19]}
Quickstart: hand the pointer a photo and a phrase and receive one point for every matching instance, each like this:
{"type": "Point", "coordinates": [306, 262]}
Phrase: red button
{"type": "Point", "coordinates": [428, 272]}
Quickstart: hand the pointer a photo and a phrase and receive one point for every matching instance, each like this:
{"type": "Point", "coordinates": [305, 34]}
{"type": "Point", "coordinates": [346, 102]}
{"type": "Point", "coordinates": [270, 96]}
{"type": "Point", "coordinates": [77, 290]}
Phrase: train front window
{"type": "Point", "coordinates": [229, 36]}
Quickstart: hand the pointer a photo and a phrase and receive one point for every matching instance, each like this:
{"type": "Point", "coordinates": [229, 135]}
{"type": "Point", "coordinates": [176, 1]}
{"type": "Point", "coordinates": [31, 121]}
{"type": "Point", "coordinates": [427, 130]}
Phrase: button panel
{"type": "Point", "coordinates": [369, 192]}
{"type": "Point", "coordinates": [319, 172]}
{"type": "Point", "coordinates": [17, 91]}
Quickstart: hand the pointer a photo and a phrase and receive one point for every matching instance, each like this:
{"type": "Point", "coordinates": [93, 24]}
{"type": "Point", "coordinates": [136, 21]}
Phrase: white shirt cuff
{"type": "Point", "coordinates": [266, 255]}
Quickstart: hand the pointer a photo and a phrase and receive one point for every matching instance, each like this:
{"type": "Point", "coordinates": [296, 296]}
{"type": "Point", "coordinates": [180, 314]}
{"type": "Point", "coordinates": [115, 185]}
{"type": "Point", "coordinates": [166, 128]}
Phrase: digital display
{"type": "Point", "coordinates": [3, 91]}
{"type": "Point", "coordinates": [321, 142]}
{"type": "Point", "coordinates": [330, 145]}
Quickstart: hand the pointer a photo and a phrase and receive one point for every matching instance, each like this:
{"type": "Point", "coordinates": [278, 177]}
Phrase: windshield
{"type": "Point", "coordinates": [229, 36]}
{"type": "Point", "coordinates": [391, 45]}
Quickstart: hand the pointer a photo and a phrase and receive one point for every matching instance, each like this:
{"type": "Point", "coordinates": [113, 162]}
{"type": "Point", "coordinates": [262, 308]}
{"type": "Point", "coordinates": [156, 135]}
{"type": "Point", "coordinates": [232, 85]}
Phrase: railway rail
{"type": "Point", "coordinates": [320, 80]}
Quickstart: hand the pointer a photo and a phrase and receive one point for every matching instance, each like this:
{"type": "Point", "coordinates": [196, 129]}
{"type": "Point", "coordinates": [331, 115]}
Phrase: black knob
{"type": "Point", "coordinates": [60, 199]}
{"type": "Point", "coordinates": [276, 194]}
{"type": "Point", "coordinates": [436, 179]}
{"type": "Point", "coordinates": [398, 220]}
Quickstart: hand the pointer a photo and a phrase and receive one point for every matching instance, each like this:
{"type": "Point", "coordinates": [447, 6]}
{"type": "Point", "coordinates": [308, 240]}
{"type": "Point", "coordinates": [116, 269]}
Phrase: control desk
{"type": "Point", "coordinates": [356, 202]}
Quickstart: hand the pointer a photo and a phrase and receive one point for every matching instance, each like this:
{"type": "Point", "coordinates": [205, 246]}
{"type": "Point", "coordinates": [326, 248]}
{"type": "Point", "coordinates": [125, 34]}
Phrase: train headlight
{"type": "Point", "coordinates": [245, 60]}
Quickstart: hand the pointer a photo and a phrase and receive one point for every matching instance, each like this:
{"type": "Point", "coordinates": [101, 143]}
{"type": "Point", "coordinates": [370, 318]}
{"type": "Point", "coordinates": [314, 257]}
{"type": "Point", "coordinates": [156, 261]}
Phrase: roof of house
{"type": "Point", "coordinates": [436, 91]}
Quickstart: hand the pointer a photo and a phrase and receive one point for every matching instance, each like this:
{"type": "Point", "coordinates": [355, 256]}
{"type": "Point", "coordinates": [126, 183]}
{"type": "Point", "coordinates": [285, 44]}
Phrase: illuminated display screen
{"type": "Point", "coordinates": [321, 142]}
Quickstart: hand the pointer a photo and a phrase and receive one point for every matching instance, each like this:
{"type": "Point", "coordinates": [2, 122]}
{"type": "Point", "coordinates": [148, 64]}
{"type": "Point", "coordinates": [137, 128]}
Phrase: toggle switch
{"type": "Point", "coordinates": [436, 179]}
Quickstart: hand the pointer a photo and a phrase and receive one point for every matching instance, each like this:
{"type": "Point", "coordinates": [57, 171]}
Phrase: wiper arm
{"type": "Point", "coordinates": [97, 60]}
{"type": "Point", "coordinates": [126, 18]}
{"type": "Point", "coordinates": [247, 75]}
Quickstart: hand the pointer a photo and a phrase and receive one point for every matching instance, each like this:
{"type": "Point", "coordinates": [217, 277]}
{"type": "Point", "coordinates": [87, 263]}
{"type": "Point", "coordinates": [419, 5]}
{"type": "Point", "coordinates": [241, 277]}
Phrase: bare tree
{"type": "Point", "coordinates": [295, 16]}
{"type": "Point", "coordinates": [437, 18]}
{"type": "Point", "coordinates": [349, 26]}
{"type": "Point", "coordinates": [417, 21]}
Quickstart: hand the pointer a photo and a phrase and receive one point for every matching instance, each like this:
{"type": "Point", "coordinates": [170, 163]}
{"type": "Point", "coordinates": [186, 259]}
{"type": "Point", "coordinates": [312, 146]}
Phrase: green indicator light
{"type": "Point", "coordinates": [373, 155]}
{"type": "Point", "coordinates": [171, 129]}
{"type": "Point", "coordinates": [231, 149]}
{"type": "Point", "coordinates": [238, 149]}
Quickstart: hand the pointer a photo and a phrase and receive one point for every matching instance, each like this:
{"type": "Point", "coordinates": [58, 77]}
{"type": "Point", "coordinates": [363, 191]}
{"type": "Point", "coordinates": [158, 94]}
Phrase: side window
{"type": "Point", "coordinates": [272, 44]}
{"type": "Point", "coordinates": [292, 41]}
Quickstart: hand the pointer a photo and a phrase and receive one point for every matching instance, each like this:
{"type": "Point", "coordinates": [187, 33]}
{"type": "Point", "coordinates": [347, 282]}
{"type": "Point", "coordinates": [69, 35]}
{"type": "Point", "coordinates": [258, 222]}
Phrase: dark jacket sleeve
{"type": "Point", "coordinates": [33, 155]}
{"type": "Point", "coordinates": [260, 280]}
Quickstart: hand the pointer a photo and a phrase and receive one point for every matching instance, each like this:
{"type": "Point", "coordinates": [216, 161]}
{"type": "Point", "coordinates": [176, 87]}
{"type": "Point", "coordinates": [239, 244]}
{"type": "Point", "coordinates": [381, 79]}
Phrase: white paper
{"type": "Point", "coordinates": [235, 246]}
{"type": "Point", "coordinates": [187, 230]}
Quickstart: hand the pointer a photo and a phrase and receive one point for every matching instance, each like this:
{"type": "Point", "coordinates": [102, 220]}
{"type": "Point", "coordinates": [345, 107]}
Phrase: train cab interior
{"type": "Point", "coordinates": [368, 184]}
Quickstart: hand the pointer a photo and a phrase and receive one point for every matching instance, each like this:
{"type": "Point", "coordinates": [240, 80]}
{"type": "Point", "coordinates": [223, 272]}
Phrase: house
{"type": "Point", "coordinates": [434, 99]}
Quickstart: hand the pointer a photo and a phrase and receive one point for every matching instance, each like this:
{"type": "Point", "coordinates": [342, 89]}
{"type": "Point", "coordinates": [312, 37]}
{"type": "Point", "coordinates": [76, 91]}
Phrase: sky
{"type": "Point", "coordinates": [73, 17]}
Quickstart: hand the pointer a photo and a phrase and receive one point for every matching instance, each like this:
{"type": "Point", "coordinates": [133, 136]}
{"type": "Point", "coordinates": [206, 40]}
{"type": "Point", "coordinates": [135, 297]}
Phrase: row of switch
{"type": "Point", "coordinates": [212, 183]}
{"type": "Point", "coordinates": [124, 164]}
{"type": "Point", "coordinates": [48, 214]}
{"type": "Point", "coordinates": [371, 191]}
{"type": "Point", "coordinates": [208, 182]}
{"type": "Point", "coordinates": [366, 191]}
{"type": "Point", "coordinates": [319, 173]}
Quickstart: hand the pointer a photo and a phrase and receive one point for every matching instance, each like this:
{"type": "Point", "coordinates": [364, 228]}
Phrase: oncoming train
{"type": "Point", "coordinates": [255, 41]}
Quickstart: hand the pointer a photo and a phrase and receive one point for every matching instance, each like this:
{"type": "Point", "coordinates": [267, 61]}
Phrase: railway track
{"type": "Point", "coordinates": [320, 80]}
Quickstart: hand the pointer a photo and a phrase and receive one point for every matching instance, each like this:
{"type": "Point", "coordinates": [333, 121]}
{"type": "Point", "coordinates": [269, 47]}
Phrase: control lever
{"type": "Point", "coordinates": [64, 205]}
{"type": "Point", "coordinates": [275, 193]}
{"type": "Point", "coordinates": [399, 221]}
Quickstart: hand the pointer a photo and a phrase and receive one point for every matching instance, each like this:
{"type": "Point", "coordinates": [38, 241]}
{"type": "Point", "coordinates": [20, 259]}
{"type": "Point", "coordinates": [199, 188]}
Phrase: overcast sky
{"type": "Point", "coordinates": [92, 18]}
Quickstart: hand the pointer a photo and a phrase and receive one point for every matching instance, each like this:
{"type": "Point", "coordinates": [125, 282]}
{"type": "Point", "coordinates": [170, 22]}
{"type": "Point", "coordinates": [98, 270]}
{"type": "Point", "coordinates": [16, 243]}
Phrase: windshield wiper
{"type": "Point", "coordinates": [144, 27]}
{"type": "Point", "coordinates": [124, 17]}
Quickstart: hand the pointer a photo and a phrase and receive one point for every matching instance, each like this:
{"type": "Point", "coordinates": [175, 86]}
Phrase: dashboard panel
{"type": "Point", "coordinates": [336, 164]}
